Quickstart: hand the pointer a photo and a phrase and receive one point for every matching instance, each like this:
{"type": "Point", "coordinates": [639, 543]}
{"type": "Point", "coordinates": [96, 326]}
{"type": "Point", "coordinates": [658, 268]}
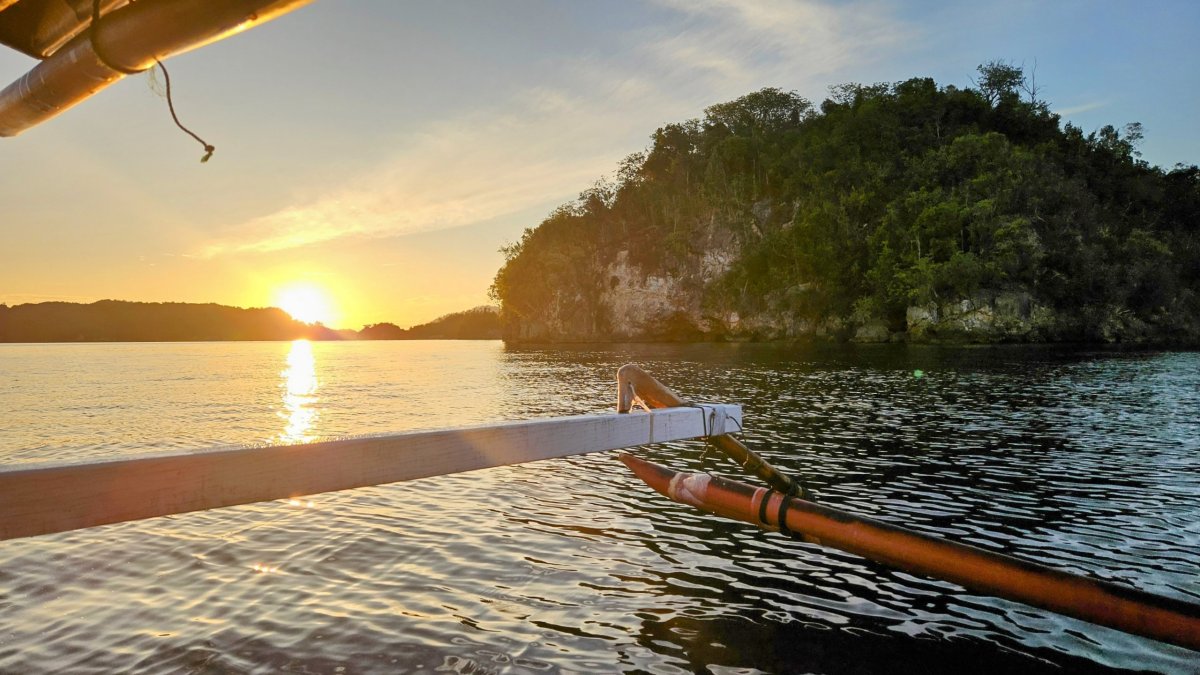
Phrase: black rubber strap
{"type": "Point", "coordinates": [783, 528]}
{"type": "Point", "coordinates": [762, 507]}
{"type": "Point", "coordinates": [93, 33]}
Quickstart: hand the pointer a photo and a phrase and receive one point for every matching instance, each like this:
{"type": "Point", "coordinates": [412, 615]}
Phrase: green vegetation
{"type": "Point", "coordinates": [119, 321]}
{"type": "Point", "coordinates": [480, 323]}
{"type": "Point", "coordinates": [883, 198]}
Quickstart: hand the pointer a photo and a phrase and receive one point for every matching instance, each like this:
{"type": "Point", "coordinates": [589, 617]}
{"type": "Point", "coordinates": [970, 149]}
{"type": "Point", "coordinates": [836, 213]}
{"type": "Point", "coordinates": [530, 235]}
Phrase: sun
{"type": "Point", "coordinates": [305, 302]}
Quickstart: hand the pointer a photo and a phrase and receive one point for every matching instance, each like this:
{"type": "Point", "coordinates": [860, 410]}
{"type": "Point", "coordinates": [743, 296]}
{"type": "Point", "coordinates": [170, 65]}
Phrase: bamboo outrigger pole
{"type": "Point", "coordinates": [1100, 602]}
{"type": "Point", "coordinates": [125, 41]}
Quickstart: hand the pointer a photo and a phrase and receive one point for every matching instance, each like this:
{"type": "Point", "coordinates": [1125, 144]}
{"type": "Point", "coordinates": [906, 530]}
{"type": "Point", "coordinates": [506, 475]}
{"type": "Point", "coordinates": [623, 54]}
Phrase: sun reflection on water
{"type": "Point", "coordinates": [299, 394]}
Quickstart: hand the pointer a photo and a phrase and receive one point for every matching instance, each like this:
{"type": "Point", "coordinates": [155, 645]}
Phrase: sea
{"type": "Point", "coordinates": [1081, 458]}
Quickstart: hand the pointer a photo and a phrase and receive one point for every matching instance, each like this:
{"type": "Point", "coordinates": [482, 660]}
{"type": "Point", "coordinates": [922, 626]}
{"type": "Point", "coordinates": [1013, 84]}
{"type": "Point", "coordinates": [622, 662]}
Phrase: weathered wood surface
{"type": "Point", "coordinates": [43, 498]}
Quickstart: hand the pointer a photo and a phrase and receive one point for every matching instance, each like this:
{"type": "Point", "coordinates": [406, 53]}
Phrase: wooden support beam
{"type": "Point", "coordinates": [55, 497]}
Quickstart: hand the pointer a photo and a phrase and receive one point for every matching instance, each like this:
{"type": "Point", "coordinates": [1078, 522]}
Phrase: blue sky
{"type": "Point", "coordinates": [385, 150]}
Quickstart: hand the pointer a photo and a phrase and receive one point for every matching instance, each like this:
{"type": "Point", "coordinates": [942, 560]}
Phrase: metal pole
{"type": "Point", "coordinates": [131, 39]}
{"type": "Point", "coordinates": [55, 496]}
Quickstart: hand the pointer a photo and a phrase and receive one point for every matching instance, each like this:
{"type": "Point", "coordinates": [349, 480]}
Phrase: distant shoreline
{"type": "Point", "coordinates": [123, 321]}
{"type": "Point", "coordinates": [827, 342]}
{"type": "Point", "coordinates": [180, 342]}
{"type": "Point", "coordinates": [186, 341]}
{"type": "Point", "coordinates": [116, 322]}
{"type": "Point", "coordinates": [782, 344]}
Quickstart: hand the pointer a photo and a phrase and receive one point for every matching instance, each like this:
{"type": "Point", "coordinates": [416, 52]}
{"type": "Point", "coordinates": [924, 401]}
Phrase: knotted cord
{"type": "Point", "coordinates": [93, 33]}
{"type": "Point", "coordinates": [209, 149]}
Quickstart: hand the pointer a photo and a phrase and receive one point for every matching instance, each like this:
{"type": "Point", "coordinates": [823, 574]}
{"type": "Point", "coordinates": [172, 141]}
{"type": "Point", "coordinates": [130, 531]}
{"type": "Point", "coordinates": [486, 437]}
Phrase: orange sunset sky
{"type": "Point", "coordinates": [378, 153]}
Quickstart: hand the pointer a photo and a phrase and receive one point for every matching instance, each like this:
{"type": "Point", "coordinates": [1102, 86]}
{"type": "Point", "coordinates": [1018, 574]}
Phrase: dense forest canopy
{"type": "Point", "coordinates": [880, 199]}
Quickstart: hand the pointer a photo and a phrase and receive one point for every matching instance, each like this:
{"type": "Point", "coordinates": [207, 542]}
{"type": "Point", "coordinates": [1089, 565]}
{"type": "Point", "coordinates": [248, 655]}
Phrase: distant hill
{"type": "Point", "coordinates": [121, 321]}
{"type": "Point", "coordinates": [480, 323]}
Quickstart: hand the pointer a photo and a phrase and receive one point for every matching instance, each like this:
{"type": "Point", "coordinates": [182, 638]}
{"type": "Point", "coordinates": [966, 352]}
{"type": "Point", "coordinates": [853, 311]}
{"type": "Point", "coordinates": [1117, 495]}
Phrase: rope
{"type": "Point", "coordinates": [706, 424]}
{"type": "Point", "coordinates": [93, 33]}
{"type": "Point", "coordinates": [752, 462]}
{"type": "Point", "coordinates": [780, 515]}
{"type": "Point", "coordinates": [209, 149]}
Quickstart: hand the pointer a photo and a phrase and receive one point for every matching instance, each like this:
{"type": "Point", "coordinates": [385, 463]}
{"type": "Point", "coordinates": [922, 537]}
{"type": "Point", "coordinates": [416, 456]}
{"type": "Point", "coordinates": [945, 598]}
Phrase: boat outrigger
{"type": "Point", "coordinates": [86, 45]}
{"type": "Point", "coordinates": [786, 507]}
{"type": "Point", "coordinates": [39, 499]}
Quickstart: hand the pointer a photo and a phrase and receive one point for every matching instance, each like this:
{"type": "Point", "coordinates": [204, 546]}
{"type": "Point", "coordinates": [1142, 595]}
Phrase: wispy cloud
{"type": "Point", "coordinates": [745, 43]}
{"type": "Point", "coordinates": [1076, 109]}
{"type": "Point", "coordinates": [552, 139]}
{"type": "Point", "coordinates": [454, 173]}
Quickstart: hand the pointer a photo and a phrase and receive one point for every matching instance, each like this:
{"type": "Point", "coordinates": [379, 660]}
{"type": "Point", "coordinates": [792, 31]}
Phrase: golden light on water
{"type": "Point", "coordinates": [306, 302]}
{"type": "Point", "coordinates": [299, 393]}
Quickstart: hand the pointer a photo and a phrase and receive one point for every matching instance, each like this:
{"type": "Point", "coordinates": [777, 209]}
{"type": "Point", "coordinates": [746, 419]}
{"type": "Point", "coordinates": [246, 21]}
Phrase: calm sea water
{"type": "Point", "coordinates": [1088, 461]}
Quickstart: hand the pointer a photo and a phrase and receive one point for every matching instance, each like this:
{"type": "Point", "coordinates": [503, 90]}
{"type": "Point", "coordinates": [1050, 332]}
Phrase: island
{"type": "Point", "coordinates": [903, 211]}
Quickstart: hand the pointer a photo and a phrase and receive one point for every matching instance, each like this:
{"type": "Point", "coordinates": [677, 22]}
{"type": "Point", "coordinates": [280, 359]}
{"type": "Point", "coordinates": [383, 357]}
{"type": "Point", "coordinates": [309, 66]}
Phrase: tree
{"type": "Point", "coordinates": [764, 110]}
{"type": "Point", "coordinates": [998, 80]}
{"type": "Point", "coordinates": [889, 195]}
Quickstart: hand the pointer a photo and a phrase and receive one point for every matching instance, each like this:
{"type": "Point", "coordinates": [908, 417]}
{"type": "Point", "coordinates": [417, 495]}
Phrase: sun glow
{"type": "Point", "coordinates": [306, 302]}
{"type": "Point", "coordinates": [299, 386]}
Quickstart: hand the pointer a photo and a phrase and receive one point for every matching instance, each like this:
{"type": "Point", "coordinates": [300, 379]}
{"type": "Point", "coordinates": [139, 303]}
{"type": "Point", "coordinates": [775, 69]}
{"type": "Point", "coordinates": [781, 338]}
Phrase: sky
{"type": "Point", "coordinates": [380, 152]}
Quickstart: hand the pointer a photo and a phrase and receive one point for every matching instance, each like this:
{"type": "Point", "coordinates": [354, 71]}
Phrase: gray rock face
{"type": "Point", "coordinates": [642, 304]}
{"type": "Point", "coordinates": [920, 318]}
{"type": "Point", "coordinates": [633, 304]}
{"type": "Point", "coordinates": [873, 332]}
{"type": "Point", "coordinates": [1009, 316]}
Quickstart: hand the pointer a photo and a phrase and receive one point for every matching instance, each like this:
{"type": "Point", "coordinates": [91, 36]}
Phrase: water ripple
{"type": "Point", "coordinates": [1088, 461]}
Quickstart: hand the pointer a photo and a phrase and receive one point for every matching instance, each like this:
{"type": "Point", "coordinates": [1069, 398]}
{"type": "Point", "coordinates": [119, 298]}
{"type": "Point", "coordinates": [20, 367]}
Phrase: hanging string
{"type": "Point", "coordinates": [101, 53]}
{"type": "Point", "coordinates": [209, 149]}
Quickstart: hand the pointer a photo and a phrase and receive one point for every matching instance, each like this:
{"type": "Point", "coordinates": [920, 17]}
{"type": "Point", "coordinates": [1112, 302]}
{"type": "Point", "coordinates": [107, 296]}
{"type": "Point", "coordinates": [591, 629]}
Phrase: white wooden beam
{"type": "Point", "coordinates": [55, 497]}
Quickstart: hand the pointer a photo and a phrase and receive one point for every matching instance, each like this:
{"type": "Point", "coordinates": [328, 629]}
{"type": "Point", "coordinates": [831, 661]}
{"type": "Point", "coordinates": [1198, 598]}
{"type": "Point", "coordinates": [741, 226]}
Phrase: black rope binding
{"type": "Point", "coordinates": [209, 149]}
{"type": "Point", "coordinates": [780, 515]}
{"type": "Point", "coordinates": [708, 418]}
{"type": "Point", "coordinates": [706, 424]}
{"type": "Point", "coordinates": [762, 506]}
{"type": "Point", "coordinates": [93, 33]}
{"type": "Point", "coordinates": [752, 463]}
